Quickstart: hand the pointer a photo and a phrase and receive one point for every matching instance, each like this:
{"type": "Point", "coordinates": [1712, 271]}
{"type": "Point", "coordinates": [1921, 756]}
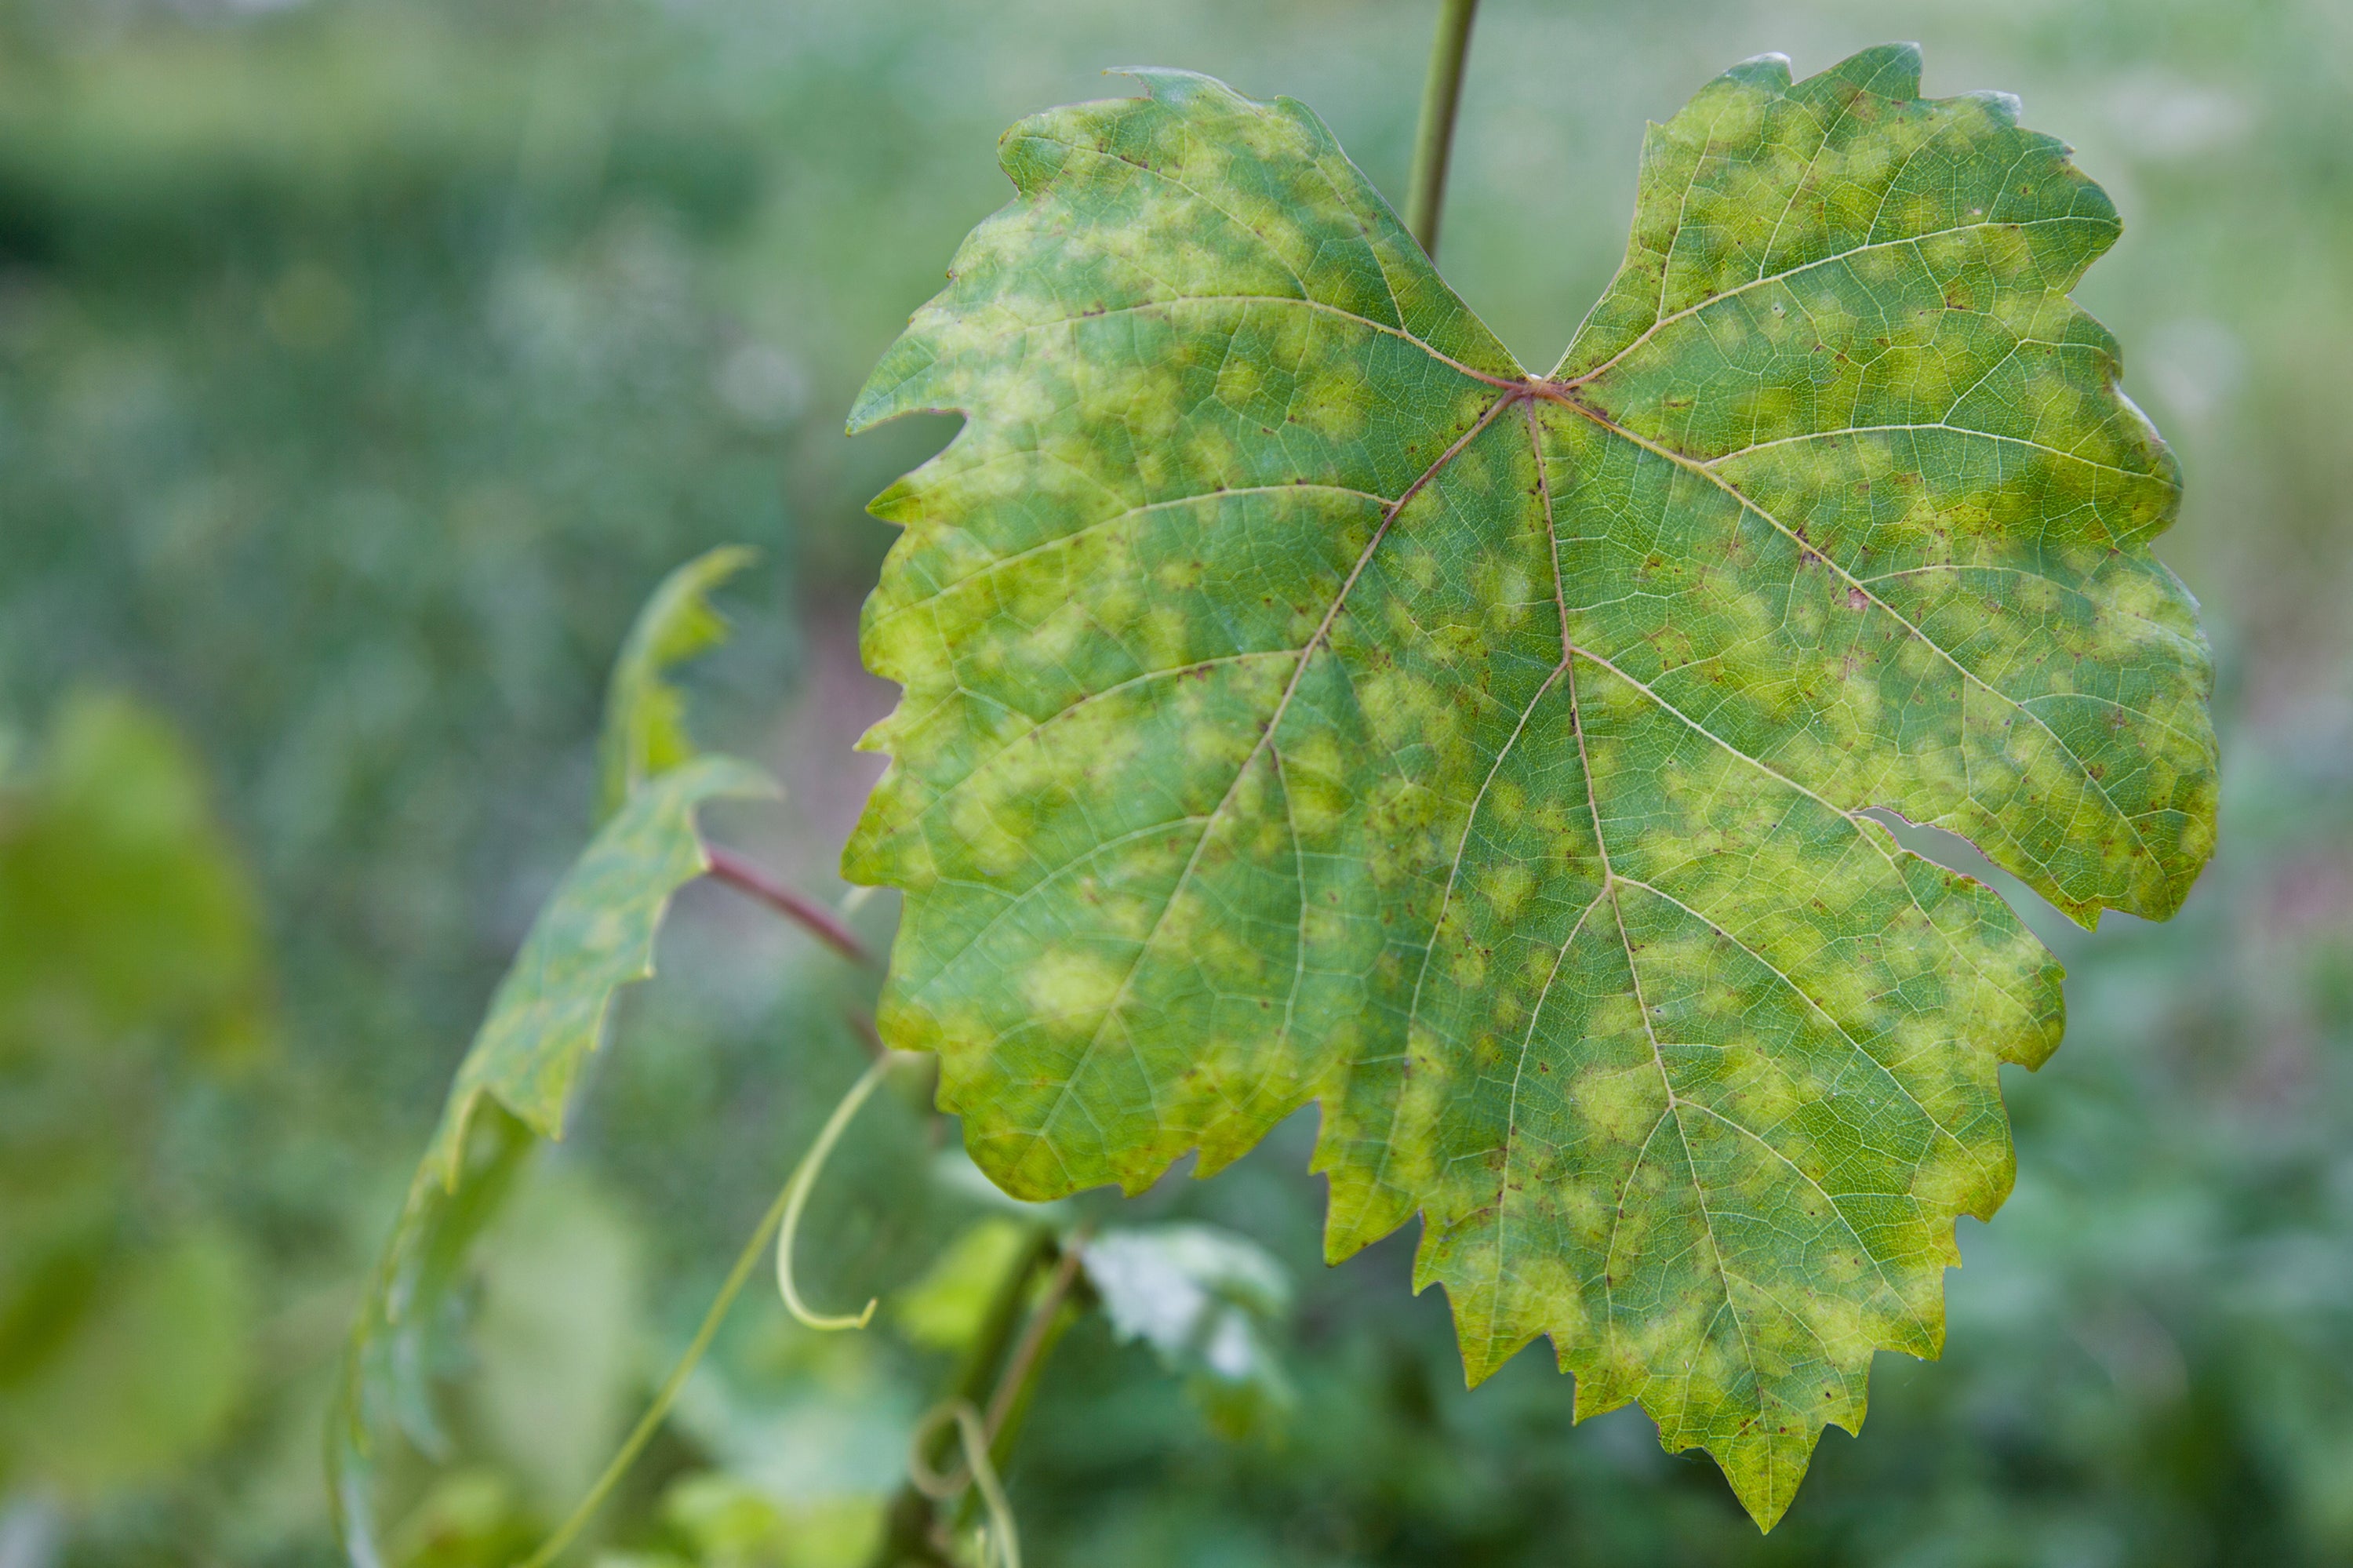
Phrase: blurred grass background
{"type": "Point", "coordinates": [364, 363]}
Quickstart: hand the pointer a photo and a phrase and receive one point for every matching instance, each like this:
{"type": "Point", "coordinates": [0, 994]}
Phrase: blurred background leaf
{"type": "Point", "coordinates": [364, 364]}
{"type": "Point", "coordinates": [132, 992]}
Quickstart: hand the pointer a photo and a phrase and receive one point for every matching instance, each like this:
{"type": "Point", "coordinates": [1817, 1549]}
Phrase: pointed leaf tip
{"type": "Point", "coordinates": [645, 728]}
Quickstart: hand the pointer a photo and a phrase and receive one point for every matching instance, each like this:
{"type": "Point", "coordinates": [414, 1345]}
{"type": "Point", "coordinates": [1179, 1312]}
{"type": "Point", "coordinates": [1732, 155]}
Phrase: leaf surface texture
{"type": "Point", "coordinates": [1304, 701]}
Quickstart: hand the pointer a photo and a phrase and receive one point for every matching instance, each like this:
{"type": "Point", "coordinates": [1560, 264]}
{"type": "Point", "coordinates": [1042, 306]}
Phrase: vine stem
{"type": "Point", "coordinates": [909, 1519]}
{"type": "Point", "coordinates": [991, 1489]}
{"type": "Point", "coordinates": [997, 1429]}
{"type": "Point", "coordinates": [797, 1191]}
{"type": "Point", "coordinates": [812, 917]}
{"type": "Point", "coordinates": [1433, 146]}
{"type": "Point", "coordinates": [783, 1214]}
{"type": "Point", "coordinates": [1022, 1365]}
{"type": "Point", "coordinates": [979, 1472]}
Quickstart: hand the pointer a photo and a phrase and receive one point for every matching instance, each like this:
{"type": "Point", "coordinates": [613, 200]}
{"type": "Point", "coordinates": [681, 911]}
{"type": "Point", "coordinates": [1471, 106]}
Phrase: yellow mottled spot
{"type": "Point", "coordinates": [1065, 982]}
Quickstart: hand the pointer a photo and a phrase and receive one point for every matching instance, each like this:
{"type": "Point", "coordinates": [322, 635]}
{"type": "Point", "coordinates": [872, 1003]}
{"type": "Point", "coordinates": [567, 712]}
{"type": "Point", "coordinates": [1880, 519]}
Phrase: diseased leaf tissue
{"type": "Point", "coordinates": [1304, 702]}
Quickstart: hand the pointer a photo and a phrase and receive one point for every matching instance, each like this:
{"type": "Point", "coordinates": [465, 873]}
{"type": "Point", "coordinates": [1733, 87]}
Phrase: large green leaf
{"type": "Point", "coordinates": [595, 935]}
{"type": "Point", "coordinates": [1304, 702]}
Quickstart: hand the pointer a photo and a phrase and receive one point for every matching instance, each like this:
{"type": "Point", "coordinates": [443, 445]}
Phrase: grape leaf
{"type": "Point", "coordinates": [645, 728]}
{"type": "Point", "coordinates": [595, 935]}
{"type": "Point", "coordinates": [1304, 701]}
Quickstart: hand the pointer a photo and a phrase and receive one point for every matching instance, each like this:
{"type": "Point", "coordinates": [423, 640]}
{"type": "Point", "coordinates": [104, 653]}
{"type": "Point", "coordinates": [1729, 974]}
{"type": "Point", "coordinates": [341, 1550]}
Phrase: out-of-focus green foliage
{"type": "Point", "coordinates": [559, 1334]}
{"type": "Point", "coordinates": [364, 363]}
{"type": "Point", "coordinates": [723, 1523]}
{"type": "Point", "coordinates": [131, 984]}
{"type": "Point", "coordinates": [129, 922]}
{"type": "Point", "coordinates": [1207, 1301]}
{"type": "Point", "coordinates": [942, 1311]}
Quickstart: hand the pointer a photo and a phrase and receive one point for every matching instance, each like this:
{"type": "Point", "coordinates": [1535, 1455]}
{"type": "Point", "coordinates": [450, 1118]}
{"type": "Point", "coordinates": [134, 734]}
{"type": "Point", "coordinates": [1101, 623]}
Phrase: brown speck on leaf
{"type": "Point", "coordinates": [1856, 598]}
